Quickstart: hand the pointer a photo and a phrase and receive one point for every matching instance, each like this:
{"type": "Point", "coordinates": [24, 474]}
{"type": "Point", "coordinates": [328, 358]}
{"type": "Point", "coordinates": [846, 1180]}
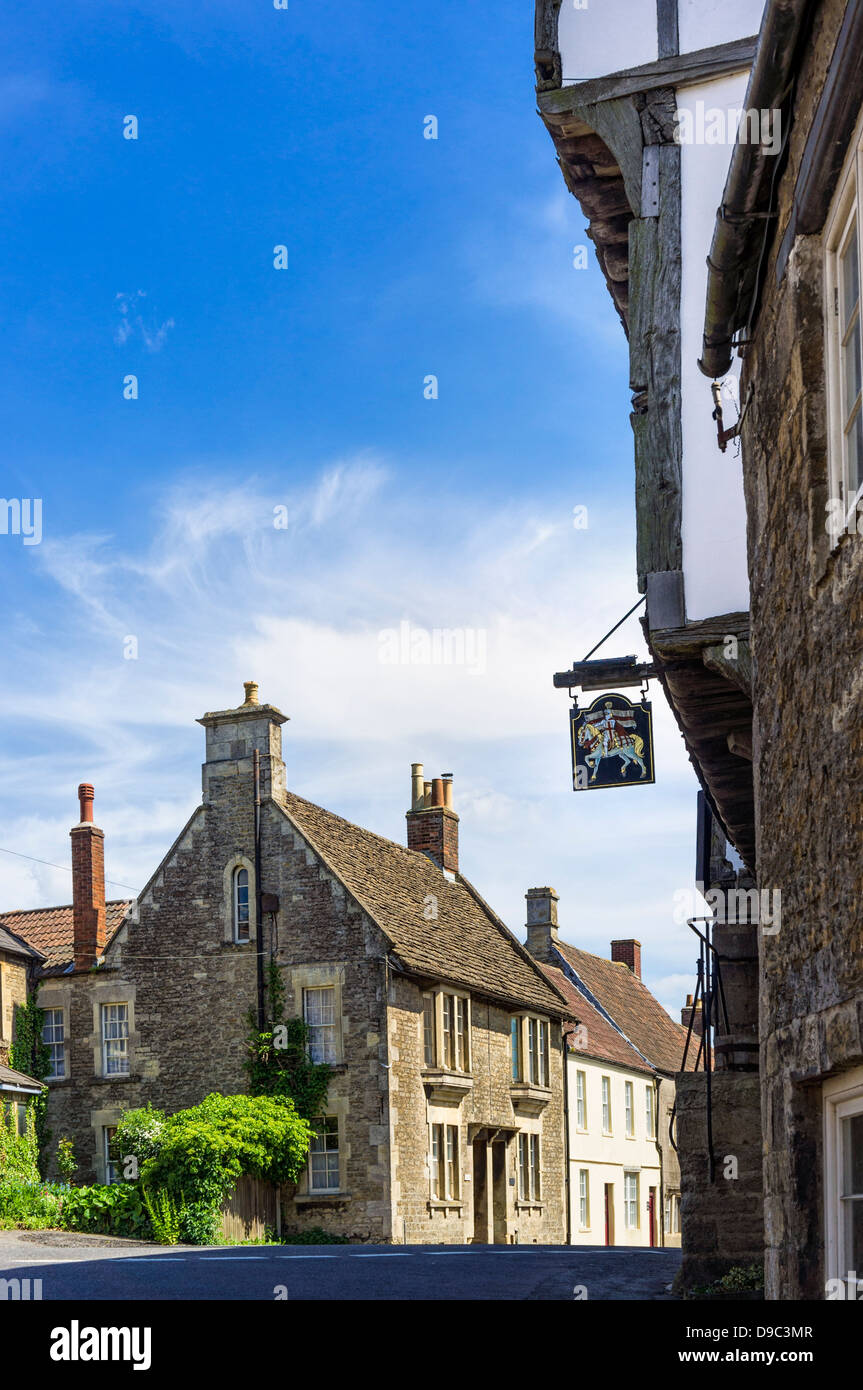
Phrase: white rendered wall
{"type": "Point", "coordinates": [608, 1157]}
{"type": "Point", "coordinates": [705, 23]}
{"type": "Point", "coordinates": [607, 36]}
{"type": "Point", "coordinates": [713, 514]}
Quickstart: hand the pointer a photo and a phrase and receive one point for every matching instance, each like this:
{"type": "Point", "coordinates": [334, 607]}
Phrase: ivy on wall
{"type": "Point", "coordinates": [30, 1055]}
{"type": "Point", "coordinates": [278, 1063]}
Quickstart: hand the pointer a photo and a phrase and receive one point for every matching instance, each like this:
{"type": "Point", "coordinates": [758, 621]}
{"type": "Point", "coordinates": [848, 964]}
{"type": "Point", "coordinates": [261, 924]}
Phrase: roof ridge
{"type": "Point", "coordinates": [373, 834]}
{"type": "Point", "coordinates": [603, 1010]}
{"type": "Point", "coordinates": [510, 935]}
{"type": "Point", "coordinates": [55, 907]}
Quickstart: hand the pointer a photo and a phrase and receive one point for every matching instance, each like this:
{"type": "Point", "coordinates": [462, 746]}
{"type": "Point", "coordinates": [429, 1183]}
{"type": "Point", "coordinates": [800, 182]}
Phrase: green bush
{"type": "Point", "coordinates": [206, 1149]}
{"type": "Point", "coordinates": [112, 1209]}
{"type": "Point", "coordinates": [67, 1165]}
{"type": "Point", "coordinates": [139, 1135]}
{"type": "Point", "coordinates": [28, 1205]}
{"type": "Point", "coordinates": [19, 1153]}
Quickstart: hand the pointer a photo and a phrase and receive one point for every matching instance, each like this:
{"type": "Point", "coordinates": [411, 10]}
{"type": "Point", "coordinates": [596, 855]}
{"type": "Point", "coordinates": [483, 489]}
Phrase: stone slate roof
{"type": "Point", "coordinates": [467, 944]}
{"type": "Point", "coordinates": [10, 1080]}
{"type": "Point", "coordinates": [603, 1042]}
{"type": "Point", "coordinates": [635, 1011]}
{"type": "Point", "coordinates": [50, 930]}
{"type": "Point", "coordinates": [14, 945]}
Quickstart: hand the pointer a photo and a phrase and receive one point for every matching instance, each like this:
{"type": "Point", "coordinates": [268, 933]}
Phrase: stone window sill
{"type": "Point", "coordinates": [530, 1206]}
{"type": "Point", "coordinates": [529, 1099]}
{"type": "Point", "coordinates": [435, 1204]}
{"type": "Point", "coordinates": [446, 1085]}
{"type": "Point", "coordinates": [322, 1199]}
{"type": "Point", "coordinates": [120, 1076]}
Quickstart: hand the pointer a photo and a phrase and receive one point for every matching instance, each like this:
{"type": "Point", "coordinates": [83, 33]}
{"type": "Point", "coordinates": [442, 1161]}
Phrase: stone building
{"type": "Point", "coordinates": [745, 361]}
{"type": "Point", "coordinates": [623, 1057]}
{"type": "Point", "coordinates": [444, 1118]}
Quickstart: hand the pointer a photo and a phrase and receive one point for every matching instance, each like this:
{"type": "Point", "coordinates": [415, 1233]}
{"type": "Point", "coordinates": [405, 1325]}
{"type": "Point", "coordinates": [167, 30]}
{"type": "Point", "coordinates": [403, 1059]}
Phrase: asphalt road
{"type": "Point", "coordinates": [474, 1272]}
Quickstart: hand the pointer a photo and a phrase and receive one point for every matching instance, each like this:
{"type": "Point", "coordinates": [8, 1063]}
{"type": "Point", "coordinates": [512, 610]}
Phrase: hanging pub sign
{"type": "Point", "coordinates": [612, 743]}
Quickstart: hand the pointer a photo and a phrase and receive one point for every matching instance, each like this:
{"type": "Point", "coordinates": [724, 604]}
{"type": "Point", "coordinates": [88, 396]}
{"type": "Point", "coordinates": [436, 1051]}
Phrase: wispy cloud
{"type": "Point", "coordinates": [133, 324]}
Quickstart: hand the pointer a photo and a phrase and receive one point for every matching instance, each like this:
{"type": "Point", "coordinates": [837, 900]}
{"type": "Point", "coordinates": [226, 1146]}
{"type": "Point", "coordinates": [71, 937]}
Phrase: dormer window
{"type": "Point", "coordinates": [241, 905]}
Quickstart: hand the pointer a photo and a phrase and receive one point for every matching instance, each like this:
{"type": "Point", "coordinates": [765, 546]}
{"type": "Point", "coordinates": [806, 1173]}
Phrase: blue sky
{"type": "Point", "coordinates": [303, 389]}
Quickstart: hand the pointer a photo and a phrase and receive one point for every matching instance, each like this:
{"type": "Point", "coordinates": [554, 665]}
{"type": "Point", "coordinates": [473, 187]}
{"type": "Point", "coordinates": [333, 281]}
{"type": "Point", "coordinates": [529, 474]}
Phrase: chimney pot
{"type": "Point", "coordinates": [88, 884]}
{"type": "Point", "coordinates": [628, 952]}
{"type": "Point", "coordinates": [432, 823]}
{"type": "Point", "coordinates": [251, 689]}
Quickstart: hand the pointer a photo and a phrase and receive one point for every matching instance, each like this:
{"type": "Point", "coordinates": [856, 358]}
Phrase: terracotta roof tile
{"type": "Point", "coordinates": [602, 1041]}
{"type": "Point", "coordinates": [50, 930]}
{"type": "Point", "coordinates": [16, 945]}
{"type": "Point", "coordinates": [635, 1011]}
{"type": "Point", "coordinates": [466, 944]}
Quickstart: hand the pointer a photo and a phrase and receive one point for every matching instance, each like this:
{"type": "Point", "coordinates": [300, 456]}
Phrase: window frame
{"type": "Point", "coordinates": [631, 1201]}
{"type": "Point", "coordinates": [842, 1100]}
{"type": "Point", "coordinates": [581, 1102]}
{"type": "Point", "coordinates": [607, 1114]}
{"type": "Point", "coordinates": [237, 922]}
{"type": "Point", "coordinates": [650, 1110]}
{"type": "Point", "coordinates": [120, 1038]}
{"type": "Point", "coordinates": [529, 1167]}
{"type": "Point", "coordinates": [327, 1152]}
{"type": "Point", "coordinates": [847, 211]}
{"type": "Point", "coordinates": [111, 1167]}
{"type": "Point", "coordinates": [629, 1109]}
{"type": "Point", "coordinates": [444, 1162]}
{"type": "Point", "coordinates": [534, 1050]}
{"type": "Point", "coordinates": [333, 1025]}
{"type": "Point", "coordinates": [54, 1042]}
{"type": "Point", "coordinates": [451, 1015]}
{"type": "Point", "coordinates": [584, 1199]}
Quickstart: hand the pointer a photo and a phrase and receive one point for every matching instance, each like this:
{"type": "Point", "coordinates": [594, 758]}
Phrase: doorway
{"type": "Point", "coordinates": [609, 1213]}
{"type": "Point", "coordinates": [651, 1215]}
{"type": "Point", "coordinates": [480, 1192]}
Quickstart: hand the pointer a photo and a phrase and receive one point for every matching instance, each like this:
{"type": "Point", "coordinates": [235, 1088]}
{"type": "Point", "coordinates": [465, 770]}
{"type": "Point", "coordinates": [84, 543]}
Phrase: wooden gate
{"type": "Point", "coordinates": [253, 1209]}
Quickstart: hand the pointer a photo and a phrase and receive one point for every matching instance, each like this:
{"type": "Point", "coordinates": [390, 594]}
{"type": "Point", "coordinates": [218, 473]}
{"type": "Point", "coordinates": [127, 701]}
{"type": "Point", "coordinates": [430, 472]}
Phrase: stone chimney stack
{"type": "Point", "coordinates": [686, 1015]}
{"type": "Point", "coordinates": [88, 884]}
{"type": "Point", "coordinates": [542, 923]}
{"type": "Point", "coordinates": [233, 736]}
{"type": "Point", "coordinates": [628, 953]}
{"type": "Point", "coordinates": [432, 822]}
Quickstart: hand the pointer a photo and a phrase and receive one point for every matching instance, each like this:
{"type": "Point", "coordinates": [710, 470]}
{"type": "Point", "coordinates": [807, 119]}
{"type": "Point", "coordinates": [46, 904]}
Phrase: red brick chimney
{"type": "Point", "coordinates": [686, 1015]}
{"type": "Point", "coordinates": [628, 953]}
{"type": "Point", "coordinates": [432, 823]}
{"type": "Point", "coordinates": [88, 884]}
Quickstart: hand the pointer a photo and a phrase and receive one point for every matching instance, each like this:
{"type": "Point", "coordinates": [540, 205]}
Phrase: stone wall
{"type": "Point", "coordinates": [13, 992]}
{"type": "Point", "coordinates": [807, 621]}
{"type": "Point", "coordinates": [721, 1222]}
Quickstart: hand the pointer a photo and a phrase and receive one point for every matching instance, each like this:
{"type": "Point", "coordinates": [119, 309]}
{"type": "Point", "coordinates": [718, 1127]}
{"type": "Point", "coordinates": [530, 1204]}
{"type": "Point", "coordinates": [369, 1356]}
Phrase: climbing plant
{"type": "Point", "coordinates": [278, 1063]}
{"type": "Point", "coordinates": [30, 1055]}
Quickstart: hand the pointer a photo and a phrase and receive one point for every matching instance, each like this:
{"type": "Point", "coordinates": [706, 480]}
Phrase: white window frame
{"type": "Point", "coordinates": [451, 1050]}
{"type": "Point", "coordinates": [584, 1199]}
{"type": "Point", "coordinates": [111, 1174]}
{"type": "Point", "coordinates": [650, 1110]}
{"type": "Point", "coordinates": [629, 1109]}
{"type": "Point", "coordinates": [327, 1152]}
{"type": "Point", "coordinates": [529, 1167]}
{"type": "Point", "coordinates": [581, 1102]}
{"type": "Point", "coordinates": [534, 1051]}
{"type": "Point", "coordinates": [847, 208]}
{"type": "Point", "coordinates": [607, 1115]}
{"type": "Point", "coordinates": [111, 1046]}
{"type": "Point", "coordinates": [241, 938]}
{"type": "Point", "coordinates": [53, 1041]}
{"type": "Point", "coordinates": [630, 1203]}
{"type": "Point", "coordinates": [444, 1162]}
{"type": "Point", "coordinates": [843, 1098]}
{"type": "Point", "coordinates": [316, 1028]}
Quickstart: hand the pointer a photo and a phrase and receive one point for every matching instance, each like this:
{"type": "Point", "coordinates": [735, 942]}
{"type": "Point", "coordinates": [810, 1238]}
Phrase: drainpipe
{"type": "Point", "coordinates": [746, 216]}
{"type": "Point", "coordinates": [567, 1160]}
{"type": "Point", "coordinates": [657, 1082]}
{"type": "Point", "coordinates": [259, 930]}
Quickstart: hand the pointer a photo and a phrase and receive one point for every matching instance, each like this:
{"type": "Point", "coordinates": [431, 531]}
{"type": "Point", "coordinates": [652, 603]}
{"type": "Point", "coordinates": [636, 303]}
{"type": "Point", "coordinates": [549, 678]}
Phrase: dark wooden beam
{"type": "Point", "coordinates": [669, 71]}
{"type": "Point", "coordinates": [596, 675]}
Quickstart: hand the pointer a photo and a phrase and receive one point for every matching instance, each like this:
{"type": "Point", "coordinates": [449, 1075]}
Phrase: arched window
{"type": "Point", "coordinates": [241, 904]}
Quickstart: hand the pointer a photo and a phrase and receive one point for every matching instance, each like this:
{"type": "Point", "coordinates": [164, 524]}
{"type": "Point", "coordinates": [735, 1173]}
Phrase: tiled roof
{"type": "Point", "coordinates": [467, 944]}
{"type": "Point", "coordinates": [600, 1039]}
{"type": "Point", "coordinates": [16, 946]}
{"type": "Point", "coordinates": [635, 1011]}
{"type": "Point", "coordinates": [13, 1079]}
{"type": "Point", "coordinates": [50, 930]}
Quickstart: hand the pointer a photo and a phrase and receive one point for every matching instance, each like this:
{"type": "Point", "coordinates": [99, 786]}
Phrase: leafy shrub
{"type": "Point", "coordinates": [111, 1209]}
{"type": "Point", "coordinates": [29, 1205]}
{"type": "Point", "coordinates": [140, 1134]}
{"type": "Point", "coordinates": [19, 1153]}
{"type": "Point", "coordinates": [206, 1149]}
{"type": "Point", "coordinates": [166, 1215]}
{"type": "Point", "coordinates": [67, 1164]}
